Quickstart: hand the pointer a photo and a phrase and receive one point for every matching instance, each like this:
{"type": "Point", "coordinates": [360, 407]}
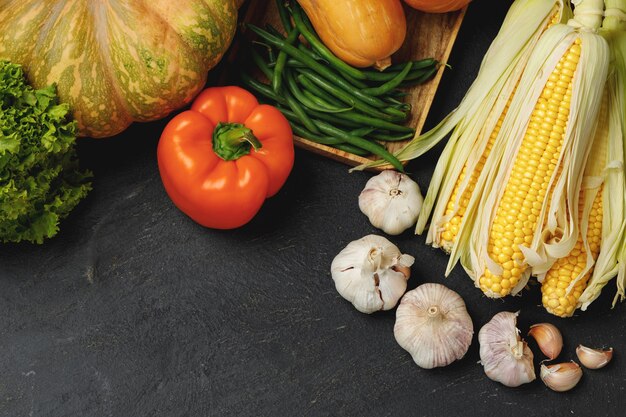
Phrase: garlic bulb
{"type": "Point", "coordinates": [433, 325]}
{"type": "Point", "coordinates": [594, 358]}
{"type": "Point", "coordinates": [371, 273]}
{"type": "Point", "coordinates": [561, 376]}
{"type": "Point", "coordinates": [506, 358]}
{"type": "Point", "coordinates": [548, 339]}
{"type": "Point", "coordinates": [391, 200]}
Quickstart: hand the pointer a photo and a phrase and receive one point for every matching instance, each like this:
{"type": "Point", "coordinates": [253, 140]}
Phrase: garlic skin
{"type": "Point", "coordinates": [433, 325]}
{"type": "Point", "coordinates": [594, 358]}
{"type": "Point", "coordinates": [506, 358]}
{"type": "Point", "coordinates": [548, 338]}
{"type": "Point", "coordinates": [391, 201]}
{"type": "Point", "coordinates": [371, 273]}
{"type": "Point", "coordinates": [561, 376]}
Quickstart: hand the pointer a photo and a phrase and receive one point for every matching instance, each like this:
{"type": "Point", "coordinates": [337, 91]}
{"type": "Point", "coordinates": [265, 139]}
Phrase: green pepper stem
{"type": "Point", "coordinates": [231, 141]}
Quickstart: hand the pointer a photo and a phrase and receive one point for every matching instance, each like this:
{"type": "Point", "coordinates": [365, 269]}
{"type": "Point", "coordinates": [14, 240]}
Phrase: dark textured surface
{"type": "Point", "coordinates": [134, 310]}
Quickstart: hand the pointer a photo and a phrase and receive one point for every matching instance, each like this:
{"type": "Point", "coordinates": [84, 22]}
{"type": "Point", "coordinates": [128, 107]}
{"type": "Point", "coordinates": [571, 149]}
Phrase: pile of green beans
{"type": "Point", "coordinates": [326, 100]}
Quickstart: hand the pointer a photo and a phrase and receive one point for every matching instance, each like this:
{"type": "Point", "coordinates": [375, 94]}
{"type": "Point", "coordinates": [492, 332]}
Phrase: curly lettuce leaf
{"type": "Point", "coordinates": [40, 180]}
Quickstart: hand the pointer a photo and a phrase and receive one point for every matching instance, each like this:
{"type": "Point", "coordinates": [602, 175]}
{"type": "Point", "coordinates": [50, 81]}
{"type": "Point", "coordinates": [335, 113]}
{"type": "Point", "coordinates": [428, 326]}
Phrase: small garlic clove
{"type": "Point", "coordinates": [548, 338]}
{"type": "Point", "coordinates": [433, 325]}
{"type": "Point", "coordinates": [505, 357]}
{"type": "Point", "coordinates": [391, 201]}
{"type": "Point", "coordinates": [561, 377]}
{"type": "Point", "coordinates": [594, 358]}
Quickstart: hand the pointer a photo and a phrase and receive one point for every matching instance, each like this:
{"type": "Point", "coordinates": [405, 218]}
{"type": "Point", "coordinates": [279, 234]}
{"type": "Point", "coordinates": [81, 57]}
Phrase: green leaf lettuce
{"type": "Point", "coordinates": [40, 181]}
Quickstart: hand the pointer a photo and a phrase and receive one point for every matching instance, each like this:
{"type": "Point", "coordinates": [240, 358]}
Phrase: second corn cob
{"type": "Point", "coordinates": [539, 177]}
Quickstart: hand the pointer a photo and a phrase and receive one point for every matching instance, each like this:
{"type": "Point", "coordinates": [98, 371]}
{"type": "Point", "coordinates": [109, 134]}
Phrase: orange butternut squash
{"type": "Point", "coordinates": [360, 32]}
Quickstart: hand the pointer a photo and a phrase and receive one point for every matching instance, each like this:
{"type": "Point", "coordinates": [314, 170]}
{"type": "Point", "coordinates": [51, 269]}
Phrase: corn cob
{"type": "Point", "coordinates": [540, 174]}
{"type": "Point", "coordinates": [567, 278]}
{"type": "Point", "coordinates": [456, 177]}
{"type": "Point", "coordinates": [464, 187]}
{"type": "Point", "coordinates": [520, 207]}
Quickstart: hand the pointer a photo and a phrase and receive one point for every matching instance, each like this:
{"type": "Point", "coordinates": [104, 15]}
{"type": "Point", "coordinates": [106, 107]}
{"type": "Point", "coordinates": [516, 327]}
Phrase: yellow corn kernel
{"type": "Point", "coordinates": [554, 295]}
{"type": "Point", "coordinates": [542, 145]}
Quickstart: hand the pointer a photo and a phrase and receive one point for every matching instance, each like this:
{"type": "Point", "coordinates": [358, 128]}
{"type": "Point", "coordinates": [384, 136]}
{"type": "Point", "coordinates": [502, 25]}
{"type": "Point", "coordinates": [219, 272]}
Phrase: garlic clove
{"type": "Point", "coordinates": [505, 357]}
{"type": "Point", "coordinates": [548, 338]}
{"type": "Point", "coordinates": [391, 201]}
{"type": "Point", "coordinates": [433, 325]}
{"type": "Point", "coordinates": [561, 377]}
{"type": "Point", "coordinates": [594, 358]}
{"type": "Point", "coordinates": [371, 273]}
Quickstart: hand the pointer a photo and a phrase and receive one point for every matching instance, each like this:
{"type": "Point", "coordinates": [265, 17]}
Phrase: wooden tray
{"type": "Point", "coordinates": [428, 35]}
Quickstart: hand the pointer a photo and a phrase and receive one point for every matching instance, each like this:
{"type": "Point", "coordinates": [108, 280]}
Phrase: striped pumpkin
{"type": "Point", "coordinates": [117, 61]}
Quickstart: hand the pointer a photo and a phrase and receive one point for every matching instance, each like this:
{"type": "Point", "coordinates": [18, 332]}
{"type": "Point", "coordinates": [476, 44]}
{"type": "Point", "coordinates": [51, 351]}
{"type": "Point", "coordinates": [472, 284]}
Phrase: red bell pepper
{"type": "Point", "coordinates": [221, 159]}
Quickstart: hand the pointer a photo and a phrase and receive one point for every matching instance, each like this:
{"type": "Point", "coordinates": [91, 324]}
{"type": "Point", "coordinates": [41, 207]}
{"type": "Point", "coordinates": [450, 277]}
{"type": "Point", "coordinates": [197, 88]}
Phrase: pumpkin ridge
{"type": "Point", "coordinates": [105, 54]}
{"type": "Point", "coordinates": [188, 47]}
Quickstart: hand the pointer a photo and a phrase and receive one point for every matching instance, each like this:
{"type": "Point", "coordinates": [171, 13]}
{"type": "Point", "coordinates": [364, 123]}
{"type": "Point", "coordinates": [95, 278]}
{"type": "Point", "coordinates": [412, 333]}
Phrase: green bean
{"type": "Point", "coordinates": [420, 64]}
{"type": "Point", "coordinates": [291, 63]}
{"type": "Point", "coordinates": [312, 89]}
{"type": "Point", "coordinates": [311, 54]}
{"type": "Point", "coordinates": [362, 131]}
{"type": "Point", "coordinates": [282, 59]}
{"type": "Point", "coordinates": [306, 134]}
{"type": "Point", "coordinates": [271, 29]}
{"type": "Point", "coordinates": [288, 98]}
{"type": "Point", "coordinates": [355, 150]}
{"type": "Point", "coordinates": [417, 68]}
{"type": "Point", "coordinates": [316, 67]}
{"type": "Point", "coordinates": [283, 13]}
{"type": "Point", "coordinates": [397, 93]}
{"type": "Point", "coordinates": [346, 98]}
{"type": "Point", "coordinates": [299, 111]}
{"type": "Point", "coordinates": [385, 137]}
{"type": "Point", "coordinates": [359, 142]}
{"type": "Point", "coordinates": [359, 119]}
{"type": "Point", "coordinates": [391, 84]}
{"type": "Point", "coordinates": [370, 121]}
{"type": "Point", "coordinates": [392, 100]}
{"type": "Point", "coordinates": [420, 80]}
{"type": "Point", "coordinates": [373, 147]}
{"type": "Point", "coordinates": [356, 83]}
{"type": "Point", "coordinates": [324, 140]}
{"type": "Point", "coordinates": [413, 75]}
{"type": "Point", "coordinates": [270, 50]}
{"type": "Point", "coordinates": [266, 91]}
{"type": "Point", "coordinates": [261, 88]}
{"type": "Point", "coordinates": [332, 118]}
{"type": "Point", "coordinates": [351, 80]}
{"type": "Point", "coordinates": [320, 102]}
{"type": "Point", "coordinates": [302, 98]}
{"type": "Point", "coordinates": [258, 60]}
{"type": "Point", "coordinates": [321, 49]}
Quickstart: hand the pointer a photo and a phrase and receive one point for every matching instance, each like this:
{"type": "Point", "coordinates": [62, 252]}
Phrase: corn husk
{"type": "Point", "coordinates": [612, 258]}
{"type": "Point", "coordinates": [559, 211]}
{"type": "Point", "coordinates": [520, 31]}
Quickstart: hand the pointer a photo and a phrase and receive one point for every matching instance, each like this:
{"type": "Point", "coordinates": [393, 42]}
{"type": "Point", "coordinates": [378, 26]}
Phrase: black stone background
{"type": "Point", "coordinates": [135, 310]}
